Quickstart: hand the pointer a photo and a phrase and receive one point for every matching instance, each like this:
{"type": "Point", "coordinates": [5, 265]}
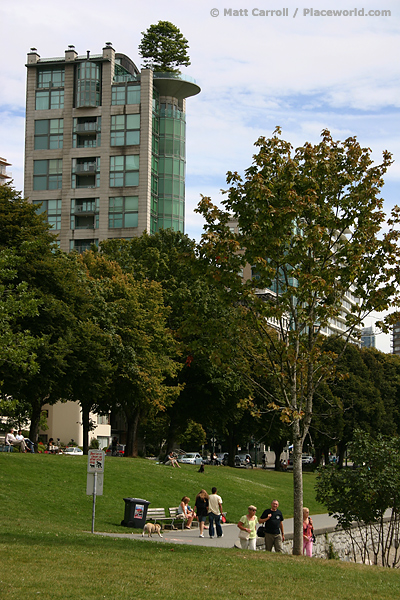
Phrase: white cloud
{"type": "Point", "coordinates": [303, 73]}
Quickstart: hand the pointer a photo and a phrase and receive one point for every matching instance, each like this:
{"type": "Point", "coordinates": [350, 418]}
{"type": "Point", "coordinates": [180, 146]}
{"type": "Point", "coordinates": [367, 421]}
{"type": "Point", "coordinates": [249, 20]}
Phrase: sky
{"type": "Point", "coordinates": [259, 65]}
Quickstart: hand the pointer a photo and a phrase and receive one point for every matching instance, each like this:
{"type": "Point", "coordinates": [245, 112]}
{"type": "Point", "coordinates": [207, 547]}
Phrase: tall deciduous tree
{"type": "Point", "coordinates": [164, 48]}
{"type": "Point", "coordinates": [142, 346]}
{"type": "Point", "coordinates": [310, 224]}
{"type": "Point", "coordinates": [46, 273]}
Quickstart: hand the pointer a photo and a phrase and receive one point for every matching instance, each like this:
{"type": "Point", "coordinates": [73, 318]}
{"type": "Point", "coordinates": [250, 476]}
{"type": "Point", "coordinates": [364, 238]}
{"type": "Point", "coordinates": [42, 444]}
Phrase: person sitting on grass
{"type": "Point", "coordinates": [186, 512]}
{"type": "Point", "coordinates": [171, 459]}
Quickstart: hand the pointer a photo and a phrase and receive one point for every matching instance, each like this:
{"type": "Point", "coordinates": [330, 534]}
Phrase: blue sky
{"type": "Point", "coordinates": [302, 73]}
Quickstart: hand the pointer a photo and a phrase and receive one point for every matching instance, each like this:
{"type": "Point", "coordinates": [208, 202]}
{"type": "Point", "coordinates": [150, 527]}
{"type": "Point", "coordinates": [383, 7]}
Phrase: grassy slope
{"type": "Point", "coordinates": [45, 552]}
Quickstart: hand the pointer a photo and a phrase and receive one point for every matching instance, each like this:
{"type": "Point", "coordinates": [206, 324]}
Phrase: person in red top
{"type": "Point", "coordinates": [307, 532]}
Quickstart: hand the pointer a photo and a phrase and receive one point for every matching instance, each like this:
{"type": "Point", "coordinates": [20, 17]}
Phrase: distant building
{"type": "Point", "coordinates": [368, 338]}
{"type": "Point", "coordinates": [105, 146]}
{"type": "Point", "coordinates": [64, 421]}
{"type": "Point", "coordinates": [396, 338]}
{"type": "Point", "coordinates": [4, 176]}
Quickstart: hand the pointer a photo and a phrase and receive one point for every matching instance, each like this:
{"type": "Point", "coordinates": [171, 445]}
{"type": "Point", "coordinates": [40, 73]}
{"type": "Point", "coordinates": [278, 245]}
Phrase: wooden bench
{"type": "Point", "coordinates": [179, 516]}
{"type": "Point", "coordinates": [3, 446]}
{"type": "Point", "coordinates": [157, 515]}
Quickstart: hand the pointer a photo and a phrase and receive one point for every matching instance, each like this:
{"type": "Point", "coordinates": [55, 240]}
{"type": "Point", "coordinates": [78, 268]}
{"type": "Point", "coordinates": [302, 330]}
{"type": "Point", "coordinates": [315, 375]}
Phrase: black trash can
{"type": "Point", "coordinates": [135, 512]}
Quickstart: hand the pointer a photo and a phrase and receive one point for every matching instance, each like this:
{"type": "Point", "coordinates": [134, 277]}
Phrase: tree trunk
{"type": "Point", "coordinates": [231, 448]}
{"type": "Point", "coordinates": [35, 419]}
{"type": "Point", "coordinates": [278, 449]}
{"type": "Point", "coordinates": [342, 451]}
{"type": "Point", "coordinates": [135, 437]}
{"type": "Point", "coordinates": [86, 428]}
{"type": "Point", "coordinates": [132, 422]}
{"type": "Point", "coordinates": [171, 434]}
{"type": "Point", "coordinates": [318, 456]}
{"type": "Point", "coordinates": [297, 490]}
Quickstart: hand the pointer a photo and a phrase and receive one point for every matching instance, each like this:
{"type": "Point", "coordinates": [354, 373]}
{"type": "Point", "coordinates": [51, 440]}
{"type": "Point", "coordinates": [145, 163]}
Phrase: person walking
{"type": "Point", "coordinates": [307, 532]}
{"type": "Point", "coordinates": [214, 513]}
{"type": "Point", "coordinates": [274, 535]}
{"type": "Point", "coordinates": [248, 529]}
{"type": "Point", "coordinates": [201, 508]}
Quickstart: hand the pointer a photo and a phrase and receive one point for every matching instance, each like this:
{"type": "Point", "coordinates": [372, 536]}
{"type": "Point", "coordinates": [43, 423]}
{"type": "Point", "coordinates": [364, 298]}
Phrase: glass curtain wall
{"type": "Point", "coordinates": [171, 168]}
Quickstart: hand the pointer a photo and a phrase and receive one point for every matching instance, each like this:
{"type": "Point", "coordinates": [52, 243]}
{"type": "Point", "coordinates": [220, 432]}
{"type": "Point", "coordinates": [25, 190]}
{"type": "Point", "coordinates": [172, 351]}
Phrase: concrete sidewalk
{"type": "Point", "coordinates": [229, 539]}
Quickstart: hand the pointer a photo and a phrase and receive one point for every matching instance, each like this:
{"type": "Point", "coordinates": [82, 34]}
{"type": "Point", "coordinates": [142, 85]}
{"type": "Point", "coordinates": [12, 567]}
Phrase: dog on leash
{"type": "Point", "coordinates": [151, 528]}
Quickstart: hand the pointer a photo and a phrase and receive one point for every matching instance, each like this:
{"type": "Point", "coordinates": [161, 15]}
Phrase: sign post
{"type": "Point", "coordinates": [94, 483]}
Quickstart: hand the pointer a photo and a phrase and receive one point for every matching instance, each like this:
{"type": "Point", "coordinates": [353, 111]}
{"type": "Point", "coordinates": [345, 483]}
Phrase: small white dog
{"type": "Point", "coordinates": [151, 528]}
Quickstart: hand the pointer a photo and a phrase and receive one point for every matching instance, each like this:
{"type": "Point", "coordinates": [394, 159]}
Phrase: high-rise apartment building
{"type": "Point", "coordinates": [396, 338]}
{"type": "Point", "coordinates": [4, 176]}
{"type": "Point", "coordinates": [368, 337]}
{"type": "Point", "coordinates": [105, 146]}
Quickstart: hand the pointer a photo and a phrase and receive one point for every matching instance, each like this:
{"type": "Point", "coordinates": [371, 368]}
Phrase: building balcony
{"type": "Point", "coordinates": [87, 128]}
{"type": "Point", "coordinates": [175, 85]}
{"type": "Point", "coordinates": [85, 168]}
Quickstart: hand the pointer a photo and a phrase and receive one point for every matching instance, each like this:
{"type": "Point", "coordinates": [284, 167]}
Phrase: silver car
{"type": "Point", "coordinates": [191, 458]}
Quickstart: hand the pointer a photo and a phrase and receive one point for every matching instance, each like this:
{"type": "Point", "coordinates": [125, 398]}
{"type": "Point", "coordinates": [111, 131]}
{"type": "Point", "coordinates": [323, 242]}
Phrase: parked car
{"type": "Point", "coordinates": [191, 458]}
{"type": "Point", "coordinates": [243, 460]}
{"type": "Point", "coordinates": [73, 451]}
{"type": "Point", "coordinates": [305, 459]}
{"type": "Point", "coordinates": [119, 451]}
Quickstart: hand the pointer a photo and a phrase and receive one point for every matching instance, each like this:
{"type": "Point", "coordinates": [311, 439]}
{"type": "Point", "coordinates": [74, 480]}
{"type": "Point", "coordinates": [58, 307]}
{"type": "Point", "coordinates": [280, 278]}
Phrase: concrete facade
{"type": "Point", "coordinates": [4, 176]}
{"type": "Point", "coordinates": [104, 146]}
{"type": "Point", "coordinates": [64, 421]}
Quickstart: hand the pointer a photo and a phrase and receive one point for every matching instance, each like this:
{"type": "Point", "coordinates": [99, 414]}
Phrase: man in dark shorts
{"type": "Point", "coordinates": [273, 520]}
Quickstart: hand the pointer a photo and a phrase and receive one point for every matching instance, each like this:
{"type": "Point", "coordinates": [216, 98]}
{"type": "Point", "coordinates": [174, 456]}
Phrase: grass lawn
{"type": "Point", "coordinates": [47, 552]}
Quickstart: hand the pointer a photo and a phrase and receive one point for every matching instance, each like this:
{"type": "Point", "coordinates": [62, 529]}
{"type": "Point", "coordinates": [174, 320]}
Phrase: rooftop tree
{"type": "Point", "coordinates": [311, 225]}
{"type": "Point", "coordinates": [164, 48]}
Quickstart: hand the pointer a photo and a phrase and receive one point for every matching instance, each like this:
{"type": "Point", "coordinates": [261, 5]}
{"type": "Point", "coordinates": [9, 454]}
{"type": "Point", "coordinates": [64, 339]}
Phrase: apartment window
{"type": "Point", "coordinates": [49, 134]}
{"type": "Point", "coordinates": [124, 170]}
{"type": "Point", "coordinates": [123, 212]}
{"type": "Point", "coordinates": [85, 172]}
{"type": "Point", "coordinates": [88, 88]}
{"type": "Point", "coordinates": [103, 420]}
{"type": "Point", "coordinates": [125, 130]}
{"type": "Point", "coordinates": [85, 213]}
{"type": "Point", "coordinates": [50, 78]}
{"type": "Point", "coordinates": [53, 210]}
{"type": "Point", "coordinates": [49, 99]}
{"type": "Point", "coordinates": [82, 245]}
{"type": "Point", "coordinates": [125, 94]}
{"type": "Point", "coordinates": [86, 132]}
{"type": "Point", "coordinates": [47, 174]}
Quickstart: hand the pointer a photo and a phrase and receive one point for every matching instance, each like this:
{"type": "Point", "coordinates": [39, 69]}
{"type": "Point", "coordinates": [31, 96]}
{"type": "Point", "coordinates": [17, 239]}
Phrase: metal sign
{"type": "Point", "coordinates": [90, 484]}
{"type": "Point", "coordinates": [96, 461]}
{"type": "Point", "coordinates": [94, 483]}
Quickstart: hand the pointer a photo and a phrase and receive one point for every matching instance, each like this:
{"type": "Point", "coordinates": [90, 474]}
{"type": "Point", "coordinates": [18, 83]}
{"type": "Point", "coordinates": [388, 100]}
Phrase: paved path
{"type": "Point", "coordinates": [230, 531]}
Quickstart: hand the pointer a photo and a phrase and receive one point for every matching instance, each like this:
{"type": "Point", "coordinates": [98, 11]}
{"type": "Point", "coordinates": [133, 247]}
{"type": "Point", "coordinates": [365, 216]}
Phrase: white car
{"type": "Point", "coordinates": [307, 460]}
{"type": "Point", "coordinates": [191, 458]}
{"type": "Point", "coordinates": [73, 451]}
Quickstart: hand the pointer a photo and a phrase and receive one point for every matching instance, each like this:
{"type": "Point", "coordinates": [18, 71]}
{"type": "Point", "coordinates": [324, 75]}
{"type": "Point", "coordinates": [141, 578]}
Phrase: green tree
{"type": "Point", "coordinates": [362, 496]}
{"type": "Point", "coordinates": [17, 346]}
{"type": "Point", "coordinates": [164, 48]}
{"type": "Point", "coordinates": [89, 369]}
{"type": "Point", "coordinates": [310, 225]}
{"type": "Point", "coordinates": [211, 335]}
{"type": "Point", "coordinates": [47, 274]}
{"type": "Point", "coordinates": [142, 347]}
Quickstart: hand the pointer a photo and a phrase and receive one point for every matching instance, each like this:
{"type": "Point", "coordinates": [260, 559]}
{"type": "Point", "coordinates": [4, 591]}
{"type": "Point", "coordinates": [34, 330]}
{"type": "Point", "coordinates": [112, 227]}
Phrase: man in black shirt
{"type": "Point", "coordinates": [273, 519]}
